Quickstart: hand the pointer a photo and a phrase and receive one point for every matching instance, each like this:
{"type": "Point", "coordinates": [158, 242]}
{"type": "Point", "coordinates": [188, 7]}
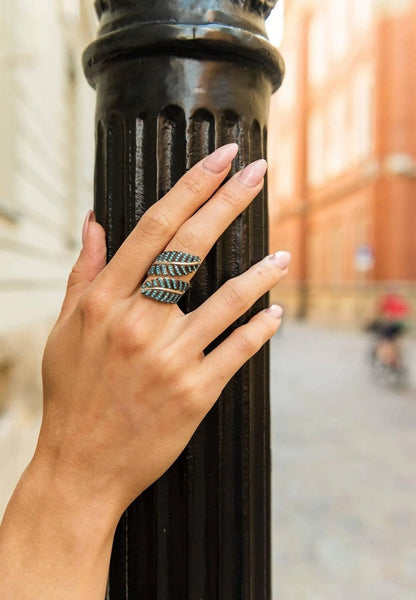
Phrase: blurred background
{"type": "Point", "coordinates": [46, 187]}
{"type": "Point", "coordinates": [342, 173]}
{"type": "Point", "coordinates": [342, 188]}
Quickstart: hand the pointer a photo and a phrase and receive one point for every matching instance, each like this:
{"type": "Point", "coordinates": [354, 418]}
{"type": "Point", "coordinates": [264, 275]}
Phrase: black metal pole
{"type": "Point", "coordinates": [174, 80]}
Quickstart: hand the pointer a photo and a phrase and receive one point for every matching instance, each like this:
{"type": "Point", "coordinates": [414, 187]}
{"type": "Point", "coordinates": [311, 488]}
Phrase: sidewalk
{"type": "Point", "coordinates": [344, 479]}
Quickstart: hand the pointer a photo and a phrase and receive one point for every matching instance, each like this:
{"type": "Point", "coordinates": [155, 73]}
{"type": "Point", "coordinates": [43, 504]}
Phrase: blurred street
{"type": "Point", "coordinates": [344, 480]}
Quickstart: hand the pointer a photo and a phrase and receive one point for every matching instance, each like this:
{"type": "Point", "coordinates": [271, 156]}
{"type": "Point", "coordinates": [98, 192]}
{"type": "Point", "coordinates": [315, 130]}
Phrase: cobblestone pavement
{"type": "Point", "coordinates": [344, 473]}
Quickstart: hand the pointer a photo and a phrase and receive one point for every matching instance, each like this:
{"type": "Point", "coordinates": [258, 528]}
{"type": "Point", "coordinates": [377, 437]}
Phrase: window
{"type": "Point", "coordinates": [315, 257]}
{"type": "Point", "coordinates": [337, 149]}
{"type": "Point", "coordinates": [362, 13]}
{"type": "Point", "coordinates": [317, 50]}
{"type": "Point", "coordinates": [338, 15]}
{"type": "Point", "coordinates": [362, 112]}
{"type": "Point", "coordinates": [287, 93]}
{"type": "Point", "coordinates": [286, 170]}
{"type": "Point", "coordinates": [316, 149]}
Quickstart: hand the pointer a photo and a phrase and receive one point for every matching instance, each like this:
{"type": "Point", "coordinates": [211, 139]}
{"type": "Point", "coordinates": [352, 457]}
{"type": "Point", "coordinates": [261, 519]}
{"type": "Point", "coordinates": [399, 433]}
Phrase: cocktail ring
{"type": "Point", "coordinates": [162, 285]}
{"type": "Point", "coordinates": [165, 289]}
{"type": "Point", "coordinates": [174, 264]}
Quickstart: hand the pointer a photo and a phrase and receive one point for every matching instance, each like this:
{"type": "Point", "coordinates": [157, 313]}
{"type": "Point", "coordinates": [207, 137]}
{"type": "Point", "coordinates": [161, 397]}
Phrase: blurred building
{"type": "Point", "coordinates": [342, 153]}
{"type": "Point", "coordinates": [46, 177]}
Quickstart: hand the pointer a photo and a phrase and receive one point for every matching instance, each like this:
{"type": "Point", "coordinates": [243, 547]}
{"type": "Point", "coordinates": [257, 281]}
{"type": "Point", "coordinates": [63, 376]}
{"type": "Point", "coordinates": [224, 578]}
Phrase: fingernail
{"type": "Point", "coordinates": [253, 173]}
{"type": "Point", "coordinates": [220, 158]}
{"type": "Point", "coordinates": [282, 259]}
{"type": "Point", "coordinates": [275, 311]}
{"type": "Point", "coordinates": [90, 217]}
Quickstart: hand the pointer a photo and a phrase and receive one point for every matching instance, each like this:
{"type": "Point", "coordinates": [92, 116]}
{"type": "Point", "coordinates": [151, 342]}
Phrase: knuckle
{"type": "Point", "coordinates": [93, 307]}
{"type": "Point", "coordinates": [229, 197]}
{"type": "Point", "coordinates": [158, 359]}
{"type": "Point", "coordinates": [188, 238]}
{"type": "Point", "coordinates": [154, 223]}
{"type": "Point", "coordinates": [74, 278]}
{"type": "Point", "coordinates": [172, 363]}
{"type": "Point", "coordinates": [186, 393]}
{"type": "Point", "coordinates": [233, 296]}
{"type": "Point", "coordinates": [126, 336]}
{"type": "Point", "coordinates": [185, 387]}
{"type": "Point", "coordinates": [245, 342]}
{"type": "Point", "coordinates": [193, 183]}
{"type": "Point", "coordinates": [179, 375]}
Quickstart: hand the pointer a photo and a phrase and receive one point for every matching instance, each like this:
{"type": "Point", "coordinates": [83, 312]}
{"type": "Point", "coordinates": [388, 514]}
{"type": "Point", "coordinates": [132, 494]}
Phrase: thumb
{"type": "Point", "coordinates": [91, 261]}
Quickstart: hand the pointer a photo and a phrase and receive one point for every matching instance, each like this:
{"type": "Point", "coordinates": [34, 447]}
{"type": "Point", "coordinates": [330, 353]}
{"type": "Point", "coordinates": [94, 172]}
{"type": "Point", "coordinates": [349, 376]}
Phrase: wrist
{"type": "Point", "coordinates": [89, 512]}
{"type": "Point", "coordinates": [54, 538]}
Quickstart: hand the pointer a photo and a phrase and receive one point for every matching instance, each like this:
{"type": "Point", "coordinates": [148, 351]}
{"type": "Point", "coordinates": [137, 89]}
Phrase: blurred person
{"type": "Point", "coordinates": [126, 379]}
{"type": "Point", "coordinates": [392, 314]}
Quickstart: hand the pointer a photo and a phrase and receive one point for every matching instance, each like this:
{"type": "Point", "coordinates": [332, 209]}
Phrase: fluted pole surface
{"type": "Point", "coordinates": [174, 80]}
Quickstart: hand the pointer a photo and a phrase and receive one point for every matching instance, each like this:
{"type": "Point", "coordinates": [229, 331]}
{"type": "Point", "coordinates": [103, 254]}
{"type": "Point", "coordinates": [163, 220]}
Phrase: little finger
{"type": "Point", "coordinates": [225, 360]}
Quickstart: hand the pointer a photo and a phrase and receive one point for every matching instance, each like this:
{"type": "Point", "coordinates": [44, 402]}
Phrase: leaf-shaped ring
{"type": "Point", "coordinates": [172, 263]}
{"type": "Point", "coordinates": [165, 289]}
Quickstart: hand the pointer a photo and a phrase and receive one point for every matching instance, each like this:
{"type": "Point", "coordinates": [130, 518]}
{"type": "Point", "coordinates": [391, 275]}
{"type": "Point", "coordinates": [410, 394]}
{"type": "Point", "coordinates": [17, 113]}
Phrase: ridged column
{"type": "Point", "coordinates": [174, 81]}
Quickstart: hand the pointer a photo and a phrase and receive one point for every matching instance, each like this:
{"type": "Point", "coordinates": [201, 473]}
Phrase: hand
{"type": "Point", "coordinates": [126, 380]}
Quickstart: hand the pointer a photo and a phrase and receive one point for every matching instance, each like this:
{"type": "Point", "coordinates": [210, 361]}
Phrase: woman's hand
{"type": "Point", "coordinates": [126, 380]}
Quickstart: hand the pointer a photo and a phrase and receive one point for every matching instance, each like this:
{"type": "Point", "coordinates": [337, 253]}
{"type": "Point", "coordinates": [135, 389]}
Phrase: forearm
{"type": "Point", "coordinates": [53, 545]}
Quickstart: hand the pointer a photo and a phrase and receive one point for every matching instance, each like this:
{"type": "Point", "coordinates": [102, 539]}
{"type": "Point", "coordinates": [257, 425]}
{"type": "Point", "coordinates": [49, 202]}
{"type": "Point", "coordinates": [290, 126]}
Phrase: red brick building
{"type": "Point", "coordinates": [342, 154]}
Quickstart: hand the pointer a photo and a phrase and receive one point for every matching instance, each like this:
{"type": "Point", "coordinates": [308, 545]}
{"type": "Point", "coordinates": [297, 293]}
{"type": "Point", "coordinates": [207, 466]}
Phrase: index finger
{"type": "Point", "coordinates": [160, 223]}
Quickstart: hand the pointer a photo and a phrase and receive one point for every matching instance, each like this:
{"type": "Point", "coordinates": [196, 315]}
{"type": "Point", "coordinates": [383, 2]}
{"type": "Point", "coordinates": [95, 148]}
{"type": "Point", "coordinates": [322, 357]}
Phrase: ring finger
{"type": "Point", "coordinates": [234, 298]}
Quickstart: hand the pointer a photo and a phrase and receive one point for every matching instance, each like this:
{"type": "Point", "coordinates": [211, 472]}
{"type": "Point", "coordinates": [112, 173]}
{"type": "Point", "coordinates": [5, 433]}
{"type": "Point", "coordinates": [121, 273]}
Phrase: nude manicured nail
{"type": "Point", "coordinates": [221, 158]}
{"type": "Point", "coordinates": [90, 217]}
{"type": "Point", "coordinates": [282, 258]}
{"type": "Point", "coordinates": [275, 311]}
{"type": "Point", "coordinates": [253, 173]}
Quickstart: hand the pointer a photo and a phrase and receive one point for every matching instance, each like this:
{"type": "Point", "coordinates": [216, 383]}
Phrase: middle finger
{"type": "Point", "coordinates": [200, 232]}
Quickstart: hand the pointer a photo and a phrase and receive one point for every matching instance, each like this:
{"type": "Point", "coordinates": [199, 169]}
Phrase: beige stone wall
{"type": "Point", "coordinates": [46, 155]}
{"type": "Point", "coordinates": [46, 187]}
{"type": "Point", "coordinates": [20, 400]}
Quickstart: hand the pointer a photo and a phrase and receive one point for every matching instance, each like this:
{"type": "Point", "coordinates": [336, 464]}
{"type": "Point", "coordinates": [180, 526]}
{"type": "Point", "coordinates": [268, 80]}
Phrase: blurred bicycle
{"type": "Point", "coordinates": [386, 355]}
